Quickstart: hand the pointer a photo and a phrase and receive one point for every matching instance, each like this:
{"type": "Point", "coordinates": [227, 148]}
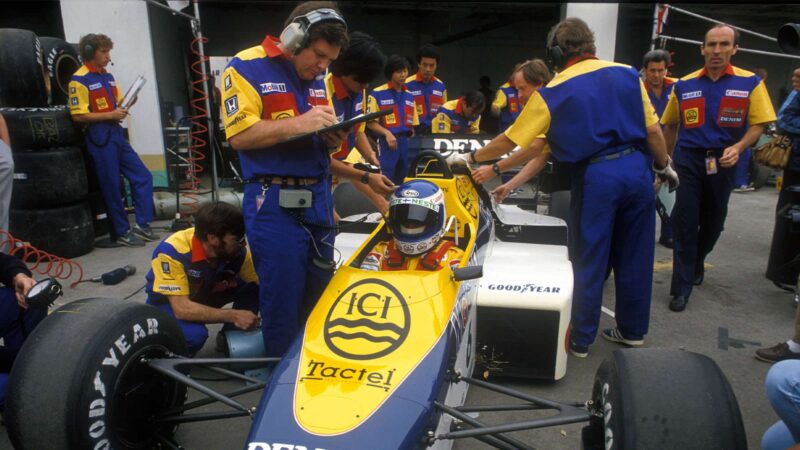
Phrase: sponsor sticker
{"type": "Point", "coordinates": [165, 267]}
{"type": "Point", "coordinates": [73, 101]}
{"type": "Point", "coordinates": [735, 93]}
{"type": "Point", "coordinates": [101, 103]}
{"type": "Point", "coordinates": [692, 94]}
{"type": "Point", "coordinates": [691, 116]}
{"type": "Point", "coordinates": [228, 83]}
{"type": "Point", "coordinates": [409, 193]}
{"type": "Point", "coordinates": [266, 88]}
{"type": "Point", "coordinates": [387, 102]}
{"type": "Point", "coordinates": [438, 93]}
{"type": "Point", "coordinates": [285, 114]}
{"type": "Point", "coordinates": [232, 105]}
{"type": "Point", "coordinates": [169, 288]}
{"type": "Point", "coordinates": [72, 90]}
{"type": "Point", "coordinates": [95, 86]}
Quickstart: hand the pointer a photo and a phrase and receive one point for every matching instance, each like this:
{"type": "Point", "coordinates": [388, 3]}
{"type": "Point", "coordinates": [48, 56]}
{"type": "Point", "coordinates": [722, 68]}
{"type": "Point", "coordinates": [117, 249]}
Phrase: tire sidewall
{"type": "Point", "coordinates": [607, 398]}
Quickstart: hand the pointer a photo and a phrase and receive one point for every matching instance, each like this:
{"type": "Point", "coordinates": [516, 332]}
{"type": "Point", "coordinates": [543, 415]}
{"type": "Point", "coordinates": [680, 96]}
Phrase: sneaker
{"type": "Point", "coordinates": [776, 353]}
{"type": "Point", "coordinates": [744, 188]}
{"type": "Point", "coordinates": [130, 240]}
{"type": "Point", "coordinates": [578, 351]}
{"type": "Point", "coordinates": [221, 344]}
{"type": "Point", "coordinates": [145, 232]}
{"type": "Point", "coordinates": [614, 335]}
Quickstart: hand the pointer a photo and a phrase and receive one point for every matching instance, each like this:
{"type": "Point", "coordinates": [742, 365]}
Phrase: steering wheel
{"type": "Point", "coordinates": [426, 155]}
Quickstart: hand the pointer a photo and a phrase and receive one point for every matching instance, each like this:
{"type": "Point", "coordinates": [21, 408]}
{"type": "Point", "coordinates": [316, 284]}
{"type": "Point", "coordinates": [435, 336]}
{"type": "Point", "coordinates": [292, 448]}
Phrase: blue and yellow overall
{"type": "Point", "coordinates": [507, 101]}
{"type": "Point", "coordinates": [660, 104]}
{"type": "Point", "coordinates": [451, 119]}
{"type": "Point", "coordinates": [401, 123]}
{"type": "Point", "coordinates": [428, 97]}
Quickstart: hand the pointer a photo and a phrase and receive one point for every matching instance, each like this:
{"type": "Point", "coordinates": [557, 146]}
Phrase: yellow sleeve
{"type": "Point", "coordinates": [650, 116]}
{"type": "Point", "coordinates": [78, 98]}
{"type": "Point", "coordinates": [500, 100]}
{"type": "Point", "coordinates": [475, 128]}
{"type": "Point", "coordinates": [533, 121]}
{"type": "Point", "coordinates": [241, 105]}
{"type": "Point", "coordinates": [362, 127]}
{"type": "Point", "coordinates": [440, 124]}
{"type": "Point", "coordinates": [671, 115]}
{"type": "Point", "coordinates": [444, 96]}
{"type": "Point", "coordinates": [248, 271]}
{"type": "Point", "coordinates": [372, 105]}
{"type": "Point", "coordinates": [415, 120]}
{"type": "Point", "coordinates": [169, 276]}
{"type": "Point", "coordinates": [119, 93]}
{"type": "Point", "coordinates": [761, 110]}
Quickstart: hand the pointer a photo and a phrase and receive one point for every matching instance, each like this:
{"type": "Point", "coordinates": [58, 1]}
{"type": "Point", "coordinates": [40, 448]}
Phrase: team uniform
{"type": "Point", "coordinates": [16, 323]}
{"type": "Point", "coordinates": [712, 116]}
{"type": "Point", "coordinates": [507, 101]}
{"type": "Point", "coordinates": [346, 105]}
{"type": "Point", "coordinates": [401, 123]}
{"type": "Point", "coordinates": [428, 97]}
{"type": "Point", "coordinates": [180, 267]}
{"type": "Point", "coordinates": [94, 90]}
{"type": "Point", "coordinates": [386, 257]}
{"type": "Point", "coordinates": [260, 83]}
{"type": "Point", "coordinates": [451, 119]}
{"type": "Point", "coordinates": [660, 104]}
{"type": "Point", "coordinates": [595, 114]}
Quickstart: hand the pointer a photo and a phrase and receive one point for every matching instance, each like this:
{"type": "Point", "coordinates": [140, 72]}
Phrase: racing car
{"type": "Point", "coordinates": [385, 360]}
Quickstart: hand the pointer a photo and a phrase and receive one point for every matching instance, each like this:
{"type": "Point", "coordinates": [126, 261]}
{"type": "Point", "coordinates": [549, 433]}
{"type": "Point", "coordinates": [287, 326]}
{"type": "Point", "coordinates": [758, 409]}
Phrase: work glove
{"type": "Point", "coordinates": [458, 159]}
{"type": "Point", "coordinates": [668, 174]}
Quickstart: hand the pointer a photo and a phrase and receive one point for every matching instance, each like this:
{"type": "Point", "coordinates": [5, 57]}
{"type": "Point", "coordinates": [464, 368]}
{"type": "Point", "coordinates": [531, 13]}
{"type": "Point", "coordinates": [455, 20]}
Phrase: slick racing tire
{"type": "Point", "coordinates": [655, 398]}
{"type": "Point", "coordinates": [60, 62]}
{"type": "Point", "coordinates": [100, 220]}
{"type": "Point", "coordinates": [65, 231]}
{"type": "Point", "coordinates": [23, 79]}
{"type": "Point", "coordinates": [81, 380]}
{"type": "Point", "coordinates": [39, 128]}
{"type": "Point", "coordinates": [49, 178]}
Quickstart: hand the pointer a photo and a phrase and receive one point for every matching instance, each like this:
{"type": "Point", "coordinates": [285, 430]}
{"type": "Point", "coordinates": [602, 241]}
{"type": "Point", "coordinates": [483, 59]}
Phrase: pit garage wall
{"type": "Point", "coordinates": [126, 23]}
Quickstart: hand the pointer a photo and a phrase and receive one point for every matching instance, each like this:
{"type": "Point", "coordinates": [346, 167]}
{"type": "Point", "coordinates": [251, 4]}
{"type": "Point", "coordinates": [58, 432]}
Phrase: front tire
{"type": "Point", "coordinates": [80, 381]}
{"type": "Point", "coordinates": [655, 398]}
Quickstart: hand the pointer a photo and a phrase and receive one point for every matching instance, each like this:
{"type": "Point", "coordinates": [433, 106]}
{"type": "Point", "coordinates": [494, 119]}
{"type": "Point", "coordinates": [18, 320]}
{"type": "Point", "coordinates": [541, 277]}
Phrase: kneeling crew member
{"type": "Point", "coordinates": [462, 115]}
{"type": "Point", "coordinates": [197, 271]}
{"type": "Point", "coordinates": [417, 222]}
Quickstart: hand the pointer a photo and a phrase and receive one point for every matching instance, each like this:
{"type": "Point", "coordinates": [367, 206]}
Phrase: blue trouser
{"type": "Point", "coordinates": [743, 168]}
{"type": "Point", "coordinates": [244, 296]}
{"type": "Point", "coordinates": [394, 163]}
{"type": "Point", "coordinates": [283, 255]}
{"type": "Point", "coordinates": [15, 326]}
{"type": "Point", "coordinates": [613, 226]}
{"type": "Point", "coordinates": [783, 392]}
{"type": "Point", "coordinates": [701, 205]}
{"type": "Point", "coordinates": [112, 154]}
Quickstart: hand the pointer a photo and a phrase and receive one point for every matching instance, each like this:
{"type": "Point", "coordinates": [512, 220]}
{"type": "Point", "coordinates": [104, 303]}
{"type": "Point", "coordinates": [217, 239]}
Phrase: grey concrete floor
{"type": "Point", "coordinates": [734, 296]}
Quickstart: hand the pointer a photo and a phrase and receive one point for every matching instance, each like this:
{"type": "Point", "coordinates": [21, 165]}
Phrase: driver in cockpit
{"type": "Point", "coordinates": [416, 221]}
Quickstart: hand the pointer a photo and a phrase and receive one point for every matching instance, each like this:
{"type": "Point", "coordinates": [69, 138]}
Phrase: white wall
{"type": "Point", "coordinates": [602, 19]}
{"type": "Point", "coordinates": [126, 23]}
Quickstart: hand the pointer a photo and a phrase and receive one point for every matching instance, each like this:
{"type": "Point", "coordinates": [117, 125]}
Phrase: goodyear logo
{"type": "Point", "coordinates": [280, 115]}
{"type": "Point", "coordinates": [691, 116]}
{"type": "Point", "coordinates": [368, 320]}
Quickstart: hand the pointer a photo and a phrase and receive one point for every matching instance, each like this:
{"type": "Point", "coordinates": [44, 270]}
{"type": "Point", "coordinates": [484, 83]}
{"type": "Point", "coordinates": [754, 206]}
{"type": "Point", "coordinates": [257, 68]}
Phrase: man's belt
{"type": "Point", "coordinates": [284, 180]}
{"type": "Point", "coordinates": [610, 156]}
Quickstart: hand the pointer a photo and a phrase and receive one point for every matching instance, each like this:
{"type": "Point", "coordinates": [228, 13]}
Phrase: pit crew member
{"type": "Point", "coordinates": [506, 104]}
{"type": "Point", "coordinates": [429, 92]}
{"type": "Point", "coordinates": [462, 115]}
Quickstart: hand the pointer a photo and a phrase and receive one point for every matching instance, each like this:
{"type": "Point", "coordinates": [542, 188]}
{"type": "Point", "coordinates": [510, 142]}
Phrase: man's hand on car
{"type": "Point", "coordinates": [244, 319]}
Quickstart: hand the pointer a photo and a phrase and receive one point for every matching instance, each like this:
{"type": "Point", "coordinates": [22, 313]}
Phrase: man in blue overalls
{"type": "Point", "coordinates": [270, 93]}
{"type": "Point", "coordinates": [721, 111]}
{"type": "Point", "coordinates": [429, 92]}
{"type": "Point", "coordinates": [394, 129]}
{"type": "Point", "coordinates": [462, 115]}
{"type": "Point", "coordinates": [597, 117]}
{"type": "Point", "coordinates": [94, 99]}
{"type": "Point", "coordinates": [506, 103]}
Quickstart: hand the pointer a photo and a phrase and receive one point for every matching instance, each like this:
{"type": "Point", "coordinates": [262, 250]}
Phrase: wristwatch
{"type": "Point", "coordinates": [496, 168]}
{"type": "Point", "coordinates": [365, 177]}
{"type": "Point", "coordinates": [472, 159]}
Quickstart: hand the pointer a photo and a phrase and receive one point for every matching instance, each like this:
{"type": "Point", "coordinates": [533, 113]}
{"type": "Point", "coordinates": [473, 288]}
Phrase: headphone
{"type": "Point", "coordinates": [295, 36]}
{"type": "Point", "coordinates": [87, 51]}
{"type": "Point", "coordinates": [553, 53]}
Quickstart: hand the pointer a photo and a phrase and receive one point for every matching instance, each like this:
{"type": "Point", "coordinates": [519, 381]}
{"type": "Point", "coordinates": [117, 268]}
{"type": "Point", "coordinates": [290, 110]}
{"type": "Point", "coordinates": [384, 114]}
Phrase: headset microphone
{"type": "Point", "coordinates": [554, 53]}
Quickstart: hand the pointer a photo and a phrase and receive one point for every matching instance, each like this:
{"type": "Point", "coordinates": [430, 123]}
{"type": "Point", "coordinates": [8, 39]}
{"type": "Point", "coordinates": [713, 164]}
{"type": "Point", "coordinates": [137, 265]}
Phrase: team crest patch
{"type": "Point", "coordinates": [165, 267]}
{"type": "Point", "coordinates": [231, 105]}
{"type": "Point", "coordinates": [227, 82]}
{"type": "Point", "coordinates": [101, 103]}
{"type": "Point", "coordinates": [74, 101]}
{"type": "Point", "coordinates": [691, 116]}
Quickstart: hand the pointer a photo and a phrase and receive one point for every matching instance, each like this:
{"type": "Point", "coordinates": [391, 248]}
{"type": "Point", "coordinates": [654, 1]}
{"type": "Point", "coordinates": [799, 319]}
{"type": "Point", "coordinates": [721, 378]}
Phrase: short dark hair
{"type": "Point", "coordinates": [723, 25]}
{"type": "Point", "coordinates": [428, 51]}
{"type": "Point", "coordinates": [218, 219]}
{"type": "Point", "coordinates": [574, 37]}
{"type": "Point", "coordinates": [332, 31]}
{"type": "Point", "coordinates": [393, 64]}
{"type": "Point", "coordinates": [657, 55]}
{"type": "Point", "coordinates": [475, 99]}
{"type": "Point", "coordinates": [534, 71]}
{"type": "Point", "coordinates": [363, 59]}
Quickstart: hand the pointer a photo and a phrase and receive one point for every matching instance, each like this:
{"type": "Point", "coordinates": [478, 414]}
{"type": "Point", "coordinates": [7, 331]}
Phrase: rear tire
{"type": "Point", "coordinates": [39, 128]}
{"type": "Point", "coordinates": [60, 61]}
{"type": "Point", "coordinates": [65, 231]}
{"type": "Point", "coordinates": [654, 398]}
{"type": "Point", "coordinates": [95, 347]}
{"type": "Point", "coordinates": [23, 80]}
{"type": "Point", "coordinates": [49, 179]}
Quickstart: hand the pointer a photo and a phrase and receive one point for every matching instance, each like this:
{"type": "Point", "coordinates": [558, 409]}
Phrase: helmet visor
{"type": "Point", "coordinates": [412, 221]}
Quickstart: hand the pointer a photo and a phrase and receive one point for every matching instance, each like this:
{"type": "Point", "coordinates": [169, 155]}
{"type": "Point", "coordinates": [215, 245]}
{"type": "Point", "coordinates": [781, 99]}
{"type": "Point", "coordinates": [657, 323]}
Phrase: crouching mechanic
{"type": "Point", "coordinates": [417, 222]}
{"type": "Point", "coordinates": [462, 115]}
{"type": "Point", "coordinates": [197, 271]}
{"type": "Point", "coordinates": [17, 321]}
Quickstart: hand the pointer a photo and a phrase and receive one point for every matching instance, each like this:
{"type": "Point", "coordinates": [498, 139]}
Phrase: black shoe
{"type": "Point", "coordinates": [699, 273]}
{"type": "Point", "coordinates": [678, 303]}
{"type": "Point", "coordinates": [698, 278]}
{"type": "Point", "coordinates": [666, 242]}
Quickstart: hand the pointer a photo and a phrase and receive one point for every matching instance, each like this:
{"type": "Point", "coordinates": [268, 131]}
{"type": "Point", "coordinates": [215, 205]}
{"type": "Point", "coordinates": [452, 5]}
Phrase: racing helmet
{"type": "Point", "coordinates": [416, 216]}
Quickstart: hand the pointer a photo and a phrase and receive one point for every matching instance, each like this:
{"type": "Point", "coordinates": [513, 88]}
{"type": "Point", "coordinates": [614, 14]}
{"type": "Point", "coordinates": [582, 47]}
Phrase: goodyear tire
{"type": "Point", "coordinates": [100, 221]}
{"type": "Point", "coordinates": [38, 128]}
{"type": "Point", "coordinates": [49, 178]}
{"type": "Point", "coordinates": [60, 62]}
{"type": "Point", "coordinates": [23, 80]}
{"type": "Point", "coordinates": [65, 231]}
{"type": "Point", "coordinates": [655, 398]}
{"type": "Point", "coordinates": [96, 347]}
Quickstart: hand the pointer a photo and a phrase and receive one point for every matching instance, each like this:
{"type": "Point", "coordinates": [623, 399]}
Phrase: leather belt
{"type": "Point", "coordinates": [283, 180]}
{"type": "Point", "coordinates": [610, 156]}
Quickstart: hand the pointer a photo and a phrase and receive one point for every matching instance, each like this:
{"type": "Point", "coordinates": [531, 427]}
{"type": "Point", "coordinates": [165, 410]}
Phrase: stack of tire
{"type": "Point", "coordinates": [49, 204]}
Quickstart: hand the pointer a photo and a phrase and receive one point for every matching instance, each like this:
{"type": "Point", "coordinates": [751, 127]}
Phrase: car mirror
{"type": "Point", "coordinates": [467, 273]}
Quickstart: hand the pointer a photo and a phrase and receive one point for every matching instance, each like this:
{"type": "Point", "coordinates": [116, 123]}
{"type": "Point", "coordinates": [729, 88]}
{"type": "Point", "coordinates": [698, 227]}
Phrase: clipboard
{"type": "Point", "coordinates": [345, 124]}
{"type": "Point", "coordinates": [132, 92]}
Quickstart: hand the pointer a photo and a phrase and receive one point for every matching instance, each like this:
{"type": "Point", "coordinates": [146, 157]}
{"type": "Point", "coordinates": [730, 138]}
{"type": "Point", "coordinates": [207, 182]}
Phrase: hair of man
{"type": "Point", "coordinates": [332, 31]}
{"type": "Point", "coordinates": [218, 219]}
{"type": "Point", "coordinates": [363, 59]}
{"type": "Point", "coordinates": [657, 55]}
{"type": "Point", "coordinates": [534, 71]}
{"type": "Point", "coordinates": [393, 64]}
{"type": "Point", "coordinates": [574, 37]}
{"type": "Point", "coordinates": [428, 51]}
{"type": "Point", "coordinates": [475, 100]}
{"type": "Point", "coordinates": [97, 41]}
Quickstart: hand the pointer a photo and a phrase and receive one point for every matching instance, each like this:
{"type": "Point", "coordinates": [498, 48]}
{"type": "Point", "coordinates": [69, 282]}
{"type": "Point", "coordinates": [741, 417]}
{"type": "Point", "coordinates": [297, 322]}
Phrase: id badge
{"type": "Point", "coordinates": [260, 198]}
{"type": "Point", "coordinates": [711, 165]}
